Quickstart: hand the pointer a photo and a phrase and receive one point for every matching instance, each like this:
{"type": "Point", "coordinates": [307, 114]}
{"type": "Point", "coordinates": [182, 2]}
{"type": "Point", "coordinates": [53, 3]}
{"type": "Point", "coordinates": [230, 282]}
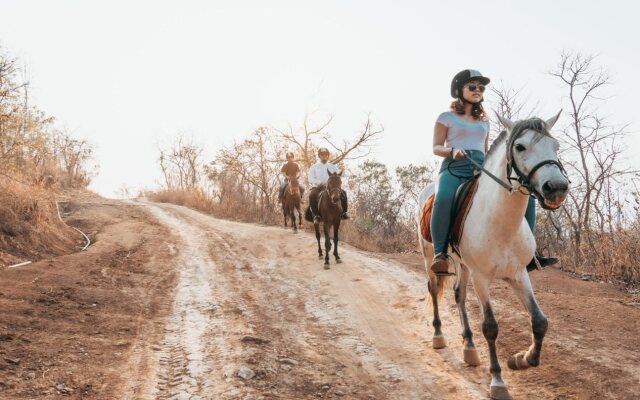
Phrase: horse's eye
{"type": "Point", "coordinates": [520, 147]}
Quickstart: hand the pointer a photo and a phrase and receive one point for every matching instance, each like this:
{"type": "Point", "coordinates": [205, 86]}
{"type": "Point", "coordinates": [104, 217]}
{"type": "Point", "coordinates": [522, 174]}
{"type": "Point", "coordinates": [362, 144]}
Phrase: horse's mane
{"type": "Point", "coordinates": [496, 143]}
{"type": "Point", "coordinates": [535, 124]}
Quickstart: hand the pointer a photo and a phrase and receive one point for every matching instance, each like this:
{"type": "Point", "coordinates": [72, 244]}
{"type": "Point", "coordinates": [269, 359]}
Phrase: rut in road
{"type": "Point", "coordinates": [258, 297]}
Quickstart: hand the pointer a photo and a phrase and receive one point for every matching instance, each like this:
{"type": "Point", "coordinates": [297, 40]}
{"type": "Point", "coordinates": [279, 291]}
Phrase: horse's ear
{"type": "Point", "coordinates": [552, 121]}
{"type": "Point", "coordinates": [506, 122]}
{"type": "Point", "coordinates": [340, 173]}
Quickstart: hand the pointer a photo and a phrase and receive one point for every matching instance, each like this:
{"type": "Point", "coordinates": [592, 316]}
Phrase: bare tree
{"type": "Point", "coordinates": [181, 164]}
{"type": "Point", "coordinates": [307, 142]}
{"type": "Point", "coordinates": [250, 167]}
{"type": "Point", "coordinates": [508, 102]}
{"type": "Point", "coordinates": [303, 142]}
{"type": "Point", "coordinates": [592, 149]}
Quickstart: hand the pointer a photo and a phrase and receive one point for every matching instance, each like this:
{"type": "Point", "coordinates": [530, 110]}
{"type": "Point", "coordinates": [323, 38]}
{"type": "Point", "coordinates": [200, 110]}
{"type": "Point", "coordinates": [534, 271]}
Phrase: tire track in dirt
{"type": "Point", "coordinates": [190, 359]}
{"type": "Point", "coordinates": [356, 331]}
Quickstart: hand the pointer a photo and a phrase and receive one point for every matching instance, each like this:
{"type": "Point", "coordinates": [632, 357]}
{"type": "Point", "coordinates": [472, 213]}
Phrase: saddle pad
{"type": "Point", "coordinates": [461, 206]}
{"type": "Point", "coordinates": [425, 219]}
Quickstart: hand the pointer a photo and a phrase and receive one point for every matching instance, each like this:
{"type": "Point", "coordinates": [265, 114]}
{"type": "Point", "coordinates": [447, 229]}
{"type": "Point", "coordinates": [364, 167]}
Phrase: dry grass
{"type": "Point", "coordinates": [200, 200]}
{"type": "Point", "coordinates": [29, 225]}
{"type": "Point", "coordinates": [401, 242]}
{"type": "Point", "coordinates": [610, 257]}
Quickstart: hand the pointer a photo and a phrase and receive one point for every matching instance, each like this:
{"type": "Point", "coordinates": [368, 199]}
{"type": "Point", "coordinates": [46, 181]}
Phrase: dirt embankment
{"type": "Point", "coordinates": [30, 228]}
{"type": "Point", "coordinates": [75, 325]}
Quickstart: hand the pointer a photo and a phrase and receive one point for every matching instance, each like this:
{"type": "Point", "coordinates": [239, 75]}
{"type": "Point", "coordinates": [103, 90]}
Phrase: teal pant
{"type": "Point", "coordinates": [452, 174]}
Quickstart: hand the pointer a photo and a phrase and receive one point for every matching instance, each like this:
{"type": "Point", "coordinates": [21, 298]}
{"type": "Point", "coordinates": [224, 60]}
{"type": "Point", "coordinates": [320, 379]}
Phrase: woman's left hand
{"type": "Point", "coordinates": [458, 154]}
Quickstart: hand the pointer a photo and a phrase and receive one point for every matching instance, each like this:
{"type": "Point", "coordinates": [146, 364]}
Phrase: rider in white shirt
{"type": "Point", "coordinates": [318, 176]}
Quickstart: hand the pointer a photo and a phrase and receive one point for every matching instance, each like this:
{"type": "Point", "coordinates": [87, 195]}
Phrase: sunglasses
{"type": "Point", "coordinates": [473, 88]}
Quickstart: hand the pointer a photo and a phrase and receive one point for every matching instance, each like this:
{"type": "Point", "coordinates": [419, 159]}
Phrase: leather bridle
{"type": "Point", "coordinates": [330, 191]}
{"type": "Point", "coordinates": [524, 181]}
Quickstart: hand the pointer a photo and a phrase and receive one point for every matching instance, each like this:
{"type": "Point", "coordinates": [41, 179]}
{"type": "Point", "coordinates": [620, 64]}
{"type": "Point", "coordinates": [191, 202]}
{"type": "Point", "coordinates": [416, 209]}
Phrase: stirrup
{"type": "Point", "coordinates": [541, 262]}
{"type": "Point", "coordinates": [440, 261]}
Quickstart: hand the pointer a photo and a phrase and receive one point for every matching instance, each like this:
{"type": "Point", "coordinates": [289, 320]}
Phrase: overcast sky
{"type": "Point", "coordinates": [129, 75]}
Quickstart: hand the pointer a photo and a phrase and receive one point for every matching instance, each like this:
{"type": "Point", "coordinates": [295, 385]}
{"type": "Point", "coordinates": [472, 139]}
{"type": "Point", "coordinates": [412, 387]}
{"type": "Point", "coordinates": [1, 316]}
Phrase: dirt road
{"type": "Point", "coordinates": [257, 297]}
{"type": "Point", "coordinates": [243, 299]}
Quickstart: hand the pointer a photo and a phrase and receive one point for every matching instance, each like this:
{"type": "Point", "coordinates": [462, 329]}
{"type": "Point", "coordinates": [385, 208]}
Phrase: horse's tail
{"type": "Point", "coordinates": [441, 283]}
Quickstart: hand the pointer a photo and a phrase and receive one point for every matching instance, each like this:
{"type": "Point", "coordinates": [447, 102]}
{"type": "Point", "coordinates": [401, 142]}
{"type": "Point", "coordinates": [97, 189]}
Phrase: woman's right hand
{"type": "Point", "coordinates": [458, 154]}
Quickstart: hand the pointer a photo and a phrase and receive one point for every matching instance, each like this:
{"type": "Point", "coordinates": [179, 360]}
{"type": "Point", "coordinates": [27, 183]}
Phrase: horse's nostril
{"type": "Point", "coordinates": [555, 186]}
{"type": "Point", "coordinates": [564, 186]}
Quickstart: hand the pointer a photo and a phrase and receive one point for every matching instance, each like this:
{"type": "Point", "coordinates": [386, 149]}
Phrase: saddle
{"type": "Point", "coordinates": [461, 203]}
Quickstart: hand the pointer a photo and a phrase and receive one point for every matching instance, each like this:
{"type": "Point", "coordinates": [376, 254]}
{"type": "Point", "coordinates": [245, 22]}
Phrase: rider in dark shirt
{"type": "Point", "coordinates": [290, 169]}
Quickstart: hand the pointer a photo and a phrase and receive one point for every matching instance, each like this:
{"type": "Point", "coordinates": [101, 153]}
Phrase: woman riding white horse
{"type": "Point", "coordinates": [496, 240]}
{"type": "Point", "coordinates": [461, 136]}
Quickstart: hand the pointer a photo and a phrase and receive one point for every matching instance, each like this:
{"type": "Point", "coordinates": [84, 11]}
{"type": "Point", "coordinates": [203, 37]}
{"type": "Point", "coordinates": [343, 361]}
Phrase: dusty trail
{"type": "Point", "coordinates": [356, 330]}
{"type": "Point", "coordinates": [257, 297]}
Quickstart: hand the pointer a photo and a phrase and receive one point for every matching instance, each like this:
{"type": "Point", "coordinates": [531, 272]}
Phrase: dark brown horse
{"type": "Point", "coordinates": [331, 211]}
{"type": "Point", "coordinates": [291, 203]}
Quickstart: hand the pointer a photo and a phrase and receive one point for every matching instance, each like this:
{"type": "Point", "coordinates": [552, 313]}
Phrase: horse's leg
{"type": "Point", "coordinates": [284, 213]}
{"type": "Point", "coordinates": [470, 354]}
{"type": "Point", "coordinates": [292, 215]}
{"type": "Point", "coordinates": [316, 225]}
{"type": "Point", "coordinates": [438, 341]}
{"type": "Point", "coordinates": [490, 330]}
{"type": "Point", "coordinates": [435, 285]}
{"type": "Point", "coordinates": [327, 245]}
{"type": "Point", "coordinates": [539, 324]}
{"type": "Point", "coordinates": [299, 216]}
{"type": "Point", "coordinates": [336, 229]}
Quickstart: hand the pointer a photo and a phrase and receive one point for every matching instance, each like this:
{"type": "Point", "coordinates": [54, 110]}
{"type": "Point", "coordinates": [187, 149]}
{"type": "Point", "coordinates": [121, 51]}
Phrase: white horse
{"type": "Point", "coordinates": [497, 242]}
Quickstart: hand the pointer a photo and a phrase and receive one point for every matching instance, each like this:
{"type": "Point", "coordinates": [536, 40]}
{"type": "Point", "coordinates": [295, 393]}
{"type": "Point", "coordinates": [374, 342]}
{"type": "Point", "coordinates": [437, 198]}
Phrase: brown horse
{"type": "Point", "coordinates": [331, 211]}
{"type": "Point", "coordinates": [291, 202]}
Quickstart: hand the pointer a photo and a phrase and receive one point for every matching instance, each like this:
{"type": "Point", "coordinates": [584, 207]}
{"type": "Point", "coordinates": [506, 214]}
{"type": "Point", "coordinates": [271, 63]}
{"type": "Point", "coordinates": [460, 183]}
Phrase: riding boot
{"type": "Point", "coordinates": [440, 265]}
{"type": "Point", "coordinates": [544, 262]}
{"type": "Point", "coordinates": [345, 205]}
{"type": "Point", "coordinates": [313, 203]}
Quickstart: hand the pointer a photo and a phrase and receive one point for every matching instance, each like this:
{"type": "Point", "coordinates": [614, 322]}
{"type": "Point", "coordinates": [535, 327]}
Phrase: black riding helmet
{"type": "Point", "coordinates": [463, 77]}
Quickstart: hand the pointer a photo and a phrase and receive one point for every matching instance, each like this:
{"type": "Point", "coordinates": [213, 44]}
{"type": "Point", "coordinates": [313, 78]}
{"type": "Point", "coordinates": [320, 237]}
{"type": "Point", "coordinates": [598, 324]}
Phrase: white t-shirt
{"type": "Point", "coordinates": [463, 134]}
{"type": "Point", "coordinates": [319, 173]}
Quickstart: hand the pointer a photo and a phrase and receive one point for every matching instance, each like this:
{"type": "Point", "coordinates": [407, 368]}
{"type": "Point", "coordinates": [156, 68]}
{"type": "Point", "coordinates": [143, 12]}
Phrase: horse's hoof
{"type": "Point", "coordinates": [500, 392]}
{"type": "Point", "coordinates": [320, 257]}
{"type": "Point", "coordinates": [439, 342]}
{"type": "Point", "coordinates": [471, 357]}
{"type": "Point", "coordinates": [338, 261]}
{"type": "Point", "coordinates": [295, 231]}
{"type": "Point", "coordinates": [518, 362]}
{"type": "Point", "coordinates": [326, 266]}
